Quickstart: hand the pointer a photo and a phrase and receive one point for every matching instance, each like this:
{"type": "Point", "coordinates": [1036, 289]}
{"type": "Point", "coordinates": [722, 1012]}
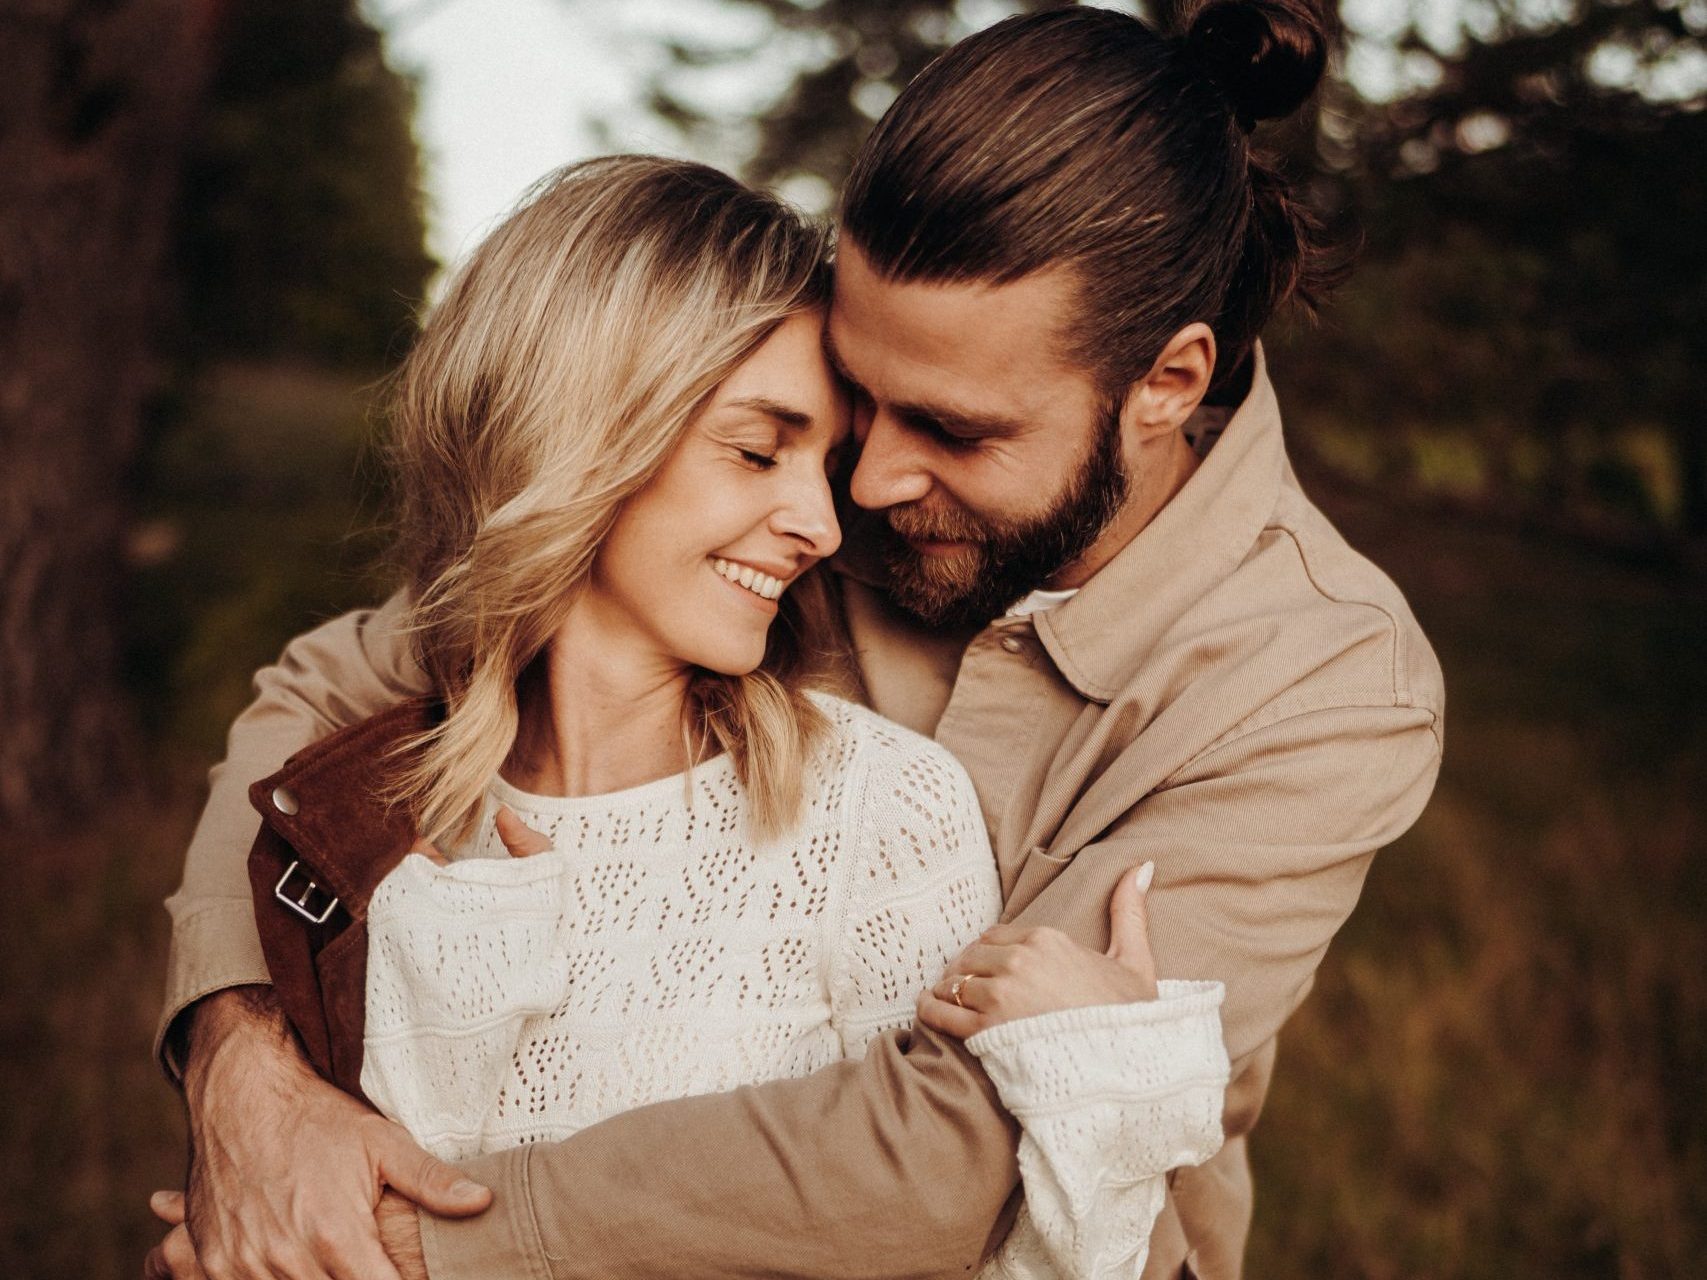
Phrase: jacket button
{"type": "Point", "coordinates": [284, 800]}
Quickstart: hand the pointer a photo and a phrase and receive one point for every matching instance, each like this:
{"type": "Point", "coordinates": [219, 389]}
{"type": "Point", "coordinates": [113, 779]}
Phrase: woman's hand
{"type": "Point", "coordinates": [1016, 971]}
{"type": "Point", "coordinates": [520, 840]}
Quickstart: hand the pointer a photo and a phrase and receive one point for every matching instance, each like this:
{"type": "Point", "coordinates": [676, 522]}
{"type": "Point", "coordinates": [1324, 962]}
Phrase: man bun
{"type": "Point", "coordinates": [1266, 56]}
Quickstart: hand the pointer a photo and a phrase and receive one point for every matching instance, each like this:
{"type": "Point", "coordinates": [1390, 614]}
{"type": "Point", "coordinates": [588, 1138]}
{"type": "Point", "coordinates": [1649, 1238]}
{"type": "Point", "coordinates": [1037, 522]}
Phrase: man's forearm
{"type": "Point", "coordinates": [214, 1022]}
{"type": "Point", "coordinates": [898, 1165]}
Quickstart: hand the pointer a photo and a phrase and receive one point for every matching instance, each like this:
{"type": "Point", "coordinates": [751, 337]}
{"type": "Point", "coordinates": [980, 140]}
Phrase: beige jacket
{"type": "Point", "coordinates": [1237, 695]}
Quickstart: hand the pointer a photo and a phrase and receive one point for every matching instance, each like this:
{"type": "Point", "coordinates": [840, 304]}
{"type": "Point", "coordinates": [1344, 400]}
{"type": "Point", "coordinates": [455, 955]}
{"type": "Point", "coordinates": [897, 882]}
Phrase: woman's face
{"type": "Point", "coordinates": [694, 565]}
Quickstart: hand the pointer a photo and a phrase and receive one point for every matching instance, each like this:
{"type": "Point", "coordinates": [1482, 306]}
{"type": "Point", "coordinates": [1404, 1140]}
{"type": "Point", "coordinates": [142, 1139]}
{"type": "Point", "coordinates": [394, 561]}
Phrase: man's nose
{"type": "Point", "coordinates": [890, 470]}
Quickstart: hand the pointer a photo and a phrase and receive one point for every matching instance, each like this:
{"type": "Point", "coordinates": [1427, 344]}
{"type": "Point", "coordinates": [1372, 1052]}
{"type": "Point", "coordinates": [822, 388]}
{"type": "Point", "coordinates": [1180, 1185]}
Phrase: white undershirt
{"type": "Point", "coordinates": [1041, 601]}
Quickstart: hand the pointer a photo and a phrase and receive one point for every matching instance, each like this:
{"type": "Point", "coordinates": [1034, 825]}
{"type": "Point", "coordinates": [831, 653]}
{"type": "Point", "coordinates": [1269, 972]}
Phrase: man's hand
{"type": "Point", "coordinates": [287, 1172]}
{"type": "Point", "coordinates": [1015, 971]}
{"type": "Point", "coordinates": [174, 1258]}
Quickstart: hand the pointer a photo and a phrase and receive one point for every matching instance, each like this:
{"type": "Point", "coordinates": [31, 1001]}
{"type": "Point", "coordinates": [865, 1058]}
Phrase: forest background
{"type": "Point", "coordinates": [212, 248]}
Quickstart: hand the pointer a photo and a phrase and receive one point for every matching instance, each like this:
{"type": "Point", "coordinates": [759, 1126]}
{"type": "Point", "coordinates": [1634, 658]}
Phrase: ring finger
{"type": "Point", "coordinates": [962, 990]}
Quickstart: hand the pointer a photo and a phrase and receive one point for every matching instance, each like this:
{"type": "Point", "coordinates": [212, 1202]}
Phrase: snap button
{"type": "Point", "coordinates": [1013, 644]}
{"type": "Point", "coordinates": [284, 800]}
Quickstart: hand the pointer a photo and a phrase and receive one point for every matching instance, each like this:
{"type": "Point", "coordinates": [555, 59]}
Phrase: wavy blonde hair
{"type": "Point", "coordinates": [550, 384]}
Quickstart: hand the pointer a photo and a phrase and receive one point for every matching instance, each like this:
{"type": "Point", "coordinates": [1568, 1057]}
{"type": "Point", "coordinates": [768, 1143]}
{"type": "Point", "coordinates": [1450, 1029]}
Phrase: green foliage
{"type": "Point", "coordinates": [302, 224]}
{"type": "Point", "coordinates": [1534, 269]}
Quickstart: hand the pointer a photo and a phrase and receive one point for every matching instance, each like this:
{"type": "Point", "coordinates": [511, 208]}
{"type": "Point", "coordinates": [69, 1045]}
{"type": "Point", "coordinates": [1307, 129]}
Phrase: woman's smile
{"type": "Point", "coordinates": [753, 582]}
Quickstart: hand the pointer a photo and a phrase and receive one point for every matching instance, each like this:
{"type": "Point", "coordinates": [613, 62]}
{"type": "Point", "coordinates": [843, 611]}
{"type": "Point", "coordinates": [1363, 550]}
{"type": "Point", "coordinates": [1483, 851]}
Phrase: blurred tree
{"type": "Point", "coordinates": [1535, 272]}
{"type": "Point", "coordinates": [849, 60]}
{"type": "Point", "coordinates": [96, 103]}
{"type": "Point", "coordinates": [169, 185]}
{"type": "Point", "coordinates": [301, 229]}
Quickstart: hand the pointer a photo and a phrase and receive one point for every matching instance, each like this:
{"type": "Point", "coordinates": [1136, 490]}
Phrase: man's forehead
{"type": "Point", "coordinates": [990, 348]}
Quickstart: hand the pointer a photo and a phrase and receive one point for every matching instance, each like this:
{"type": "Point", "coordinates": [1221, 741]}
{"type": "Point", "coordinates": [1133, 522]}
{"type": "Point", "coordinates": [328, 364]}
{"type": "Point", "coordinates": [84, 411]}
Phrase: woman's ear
{"type": "Point", "coordinates": [1159, 403]}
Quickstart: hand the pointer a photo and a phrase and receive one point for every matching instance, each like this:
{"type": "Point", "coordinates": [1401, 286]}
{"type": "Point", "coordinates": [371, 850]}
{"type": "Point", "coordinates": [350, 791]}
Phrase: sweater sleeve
{"type": "Point", "coordinates": [922, 885]}
{"type": "Point", "coordinates": [1109, 1099]}
{"type": "Point", "coordinates": [459, 957]}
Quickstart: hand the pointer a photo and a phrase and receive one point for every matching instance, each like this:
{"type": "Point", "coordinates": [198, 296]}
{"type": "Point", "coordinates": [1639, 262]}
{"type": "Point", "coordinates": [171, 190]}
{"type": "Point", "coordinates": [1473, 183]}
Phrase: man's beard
{"type": "Point", "coordinates": [1006, 559]}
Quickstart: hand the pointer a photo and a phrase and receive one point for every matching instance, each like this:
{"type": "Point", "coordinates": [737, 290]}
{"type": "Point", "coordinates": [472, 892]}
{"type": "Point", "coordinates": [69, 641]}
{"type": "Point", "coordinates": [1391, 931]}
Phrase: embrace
{"type": "Point", "coordinates": [871, 747]}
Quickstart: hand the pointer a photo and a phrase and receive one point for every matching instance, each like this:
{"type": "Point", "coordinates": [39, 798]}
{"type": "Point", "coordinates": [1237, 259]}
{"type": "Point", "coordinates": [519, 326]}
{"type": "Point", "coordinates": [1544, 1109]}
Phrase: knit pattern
{"type": "Point", "coordinates": [658, 951]}
{"type": "Point", "coordinates": [1108, 1098]}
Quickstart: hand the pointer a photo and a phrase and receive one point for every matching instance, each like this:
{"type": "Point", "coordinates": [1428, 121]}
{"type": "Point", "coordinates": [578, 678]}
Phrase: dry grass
{"type": "Point", "coordinates": [1501, 1072]}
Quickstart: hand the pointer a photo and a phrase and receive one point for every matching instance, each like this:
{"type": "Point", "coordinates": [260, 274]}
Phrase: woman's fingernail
{"type": "Point", "coordinates": [1146, 873]}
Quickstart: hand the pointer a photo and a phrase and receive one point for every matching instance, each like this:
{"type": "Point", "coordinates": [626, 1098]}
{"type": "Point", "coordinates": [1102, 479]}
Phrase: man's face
{"type": "Point", "coordinates": [993, 461]}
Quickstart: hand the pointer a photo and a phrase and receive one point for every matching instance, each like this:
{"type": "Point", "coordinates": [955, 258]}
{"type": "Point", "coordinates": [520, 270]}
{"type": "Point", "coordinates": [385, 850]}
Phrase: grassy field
{"type": "Point", "coordinates": [1501, 1071]}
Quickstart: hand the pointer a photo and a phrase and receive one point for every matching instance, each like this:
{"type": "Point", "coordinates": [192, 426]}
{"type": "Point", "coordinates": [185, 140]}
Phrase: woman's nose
{"type": "Point", "coordinates": [810, 515]}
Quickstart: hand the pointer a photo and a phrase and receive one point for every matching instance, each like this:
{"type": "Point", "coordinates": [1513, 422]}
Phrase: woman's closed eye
{"type": "Point", "coordinates": [757, 460]}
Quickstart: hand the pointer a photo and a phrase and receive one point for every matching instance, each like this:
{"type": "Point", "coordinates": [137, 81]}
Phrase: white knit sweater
{"type": "Point", "coordinates": [657, 951]}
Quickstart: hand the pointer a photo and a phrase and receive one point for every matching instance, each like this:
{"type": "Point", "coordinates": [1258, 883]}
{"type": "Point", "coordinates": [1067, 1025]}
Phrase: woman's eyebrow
{"type": "Point", "coordinates": [773, 409]}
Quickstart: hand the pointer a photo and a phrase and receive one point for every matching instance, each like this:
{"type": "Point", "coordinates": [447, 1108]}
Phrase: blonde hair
{"type": "Point", "coordinates": [550, 385]}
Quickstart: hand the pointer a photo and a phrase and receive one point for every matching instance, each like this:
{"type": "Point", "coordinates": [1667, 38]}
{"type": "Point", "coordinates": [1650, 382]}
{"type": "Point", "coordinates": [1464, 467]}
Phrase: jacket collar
{"type": "Point", "coordinates": [1102, 636]}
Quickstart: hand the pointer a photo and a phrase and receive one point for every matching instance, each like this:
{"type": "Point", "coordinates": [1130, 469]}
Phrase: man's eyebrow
{"type": "Point", "coordinates": [953, 420]}
{"type": "Point", "coordinates": [958, 423]}
{"type": "Point", "coordinates": [773, 409]}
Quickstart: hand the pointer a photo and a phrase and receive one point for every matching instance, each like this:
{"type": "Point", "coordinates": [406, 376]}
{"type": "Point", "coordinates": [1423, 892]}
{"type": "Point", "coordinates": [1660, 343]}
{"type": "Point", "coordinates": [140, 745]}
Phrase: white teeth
{"type": "Point", "coordinates": [760, 584]}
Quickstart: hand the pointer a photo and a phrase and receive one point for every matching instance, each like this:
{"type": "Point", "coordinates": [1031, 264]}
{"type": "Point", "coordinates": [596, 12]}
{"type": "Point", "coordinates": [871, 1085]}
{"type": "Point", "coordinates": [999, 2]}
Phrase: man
{"type": "Point", "coordinates": [1110, 601]}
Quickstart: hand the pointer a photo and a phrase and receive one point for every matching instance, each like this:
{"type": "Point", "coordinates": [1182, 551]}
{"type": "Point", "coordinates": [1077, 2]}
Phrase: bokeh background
{"type": "Point", "coordinates": [218, 222]}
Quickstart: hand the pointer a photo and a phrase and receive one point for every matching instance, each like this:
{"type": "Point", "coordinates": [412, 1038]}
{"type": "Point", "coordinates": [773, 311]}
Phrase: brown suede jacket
{"type": "Point", "coordinates": [328, 837]}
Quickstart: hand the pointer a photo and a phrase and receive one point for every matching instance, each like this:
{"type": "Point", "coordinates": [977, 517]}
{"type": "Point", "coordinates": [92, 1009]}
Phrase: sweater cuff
{"type": "Point", "coordinates": [1068, 1056]}
{"type": "Point", "coordinates": [503, 1241]}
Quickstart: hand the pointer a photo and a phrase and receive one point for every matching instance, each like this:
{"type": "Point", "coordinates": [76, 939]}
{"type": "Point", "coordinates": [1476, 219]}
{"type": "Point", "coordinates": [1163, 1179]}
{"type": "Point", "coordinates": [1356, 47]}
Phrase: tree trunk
{"type": "Point", "coordinates": [96, 97]}
{"type": "Point", "coordinates": [1692, 472]}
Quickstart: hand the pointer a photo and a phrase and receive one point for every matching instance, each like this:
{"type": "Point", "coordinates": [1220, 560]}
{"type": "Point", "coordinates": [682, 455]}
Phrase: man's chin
{"type": "Point", "coordinates": [944, 594]}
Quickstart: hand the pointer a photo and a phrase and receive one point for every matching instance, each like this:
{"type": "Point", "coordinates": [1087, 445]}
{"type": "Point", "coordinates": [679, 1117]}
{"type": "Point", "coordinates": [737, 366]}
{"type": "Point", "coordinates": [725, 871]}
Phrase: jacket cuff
{"type": "Point", "coordinates": [503, 1241]}
{"type": "Point", "coordinates": [214, 947]}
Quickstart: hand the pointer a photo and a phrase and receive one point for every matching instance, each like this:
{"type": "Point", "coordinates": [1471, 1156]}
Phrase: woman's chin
{"type": "Point", "coordinates": [730, 663]}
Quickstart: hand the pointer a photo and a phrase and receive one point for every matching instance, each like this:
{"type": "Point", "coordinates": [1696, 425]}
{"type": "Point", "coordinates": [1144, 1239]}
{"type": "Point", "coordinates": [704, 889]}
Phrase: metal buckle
{"type": "Point", "coordinates": [300, 905]}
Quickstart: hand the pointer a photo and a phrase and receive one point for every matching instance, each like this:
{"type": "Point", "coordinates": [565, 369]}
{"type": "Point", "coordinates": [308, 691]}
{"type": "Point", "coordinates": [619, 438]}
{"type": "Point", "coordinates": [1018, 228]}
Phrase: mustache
{"type": "Point", "coordinates": [950, 524]}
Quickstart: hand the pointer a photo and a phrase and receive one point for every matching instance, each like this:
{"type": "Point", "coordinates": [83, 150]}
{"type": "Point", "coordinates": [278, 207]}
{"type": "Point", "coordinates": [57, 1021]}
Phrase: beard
{"type": "Point", "coordinates": [1006, 558]}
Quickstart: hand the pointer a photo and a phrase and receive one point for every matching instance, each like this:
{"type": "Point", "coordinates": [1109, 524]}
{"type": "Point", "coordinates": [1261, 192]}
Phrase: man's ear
{"type": "Point", "coordinates": [1159, 403]}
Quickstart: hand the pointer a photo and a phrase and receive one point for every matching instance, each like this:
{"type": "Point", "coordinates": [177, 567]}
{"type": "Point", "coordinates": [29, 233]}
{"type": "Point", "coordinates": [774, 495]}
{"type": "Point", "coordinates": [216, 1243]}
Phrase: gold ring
{"type": "Point", "coordinates": [954, 988]}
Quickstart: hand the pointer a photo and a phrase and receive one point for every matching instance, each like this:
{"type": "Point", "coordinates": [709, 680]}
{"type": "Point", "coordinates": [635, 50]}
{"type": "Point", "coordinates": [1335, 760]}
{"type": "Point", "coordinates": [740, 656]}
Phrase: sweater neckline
{"type": "Point", "coordinates": [674, 788]}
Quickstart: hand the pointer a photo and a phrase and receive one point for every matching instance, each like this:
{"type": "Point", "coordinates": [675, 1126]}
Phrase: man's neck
{"type": "Point", "coordinates": [1160, 472]}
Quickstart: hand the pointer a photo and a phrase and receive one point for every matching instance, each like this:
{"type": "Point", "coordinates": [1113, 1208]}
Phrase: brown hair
{"type": "Point", "coordinates": [1084, 137]}
{"type": "Point", "coordinates": [548, 387]}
